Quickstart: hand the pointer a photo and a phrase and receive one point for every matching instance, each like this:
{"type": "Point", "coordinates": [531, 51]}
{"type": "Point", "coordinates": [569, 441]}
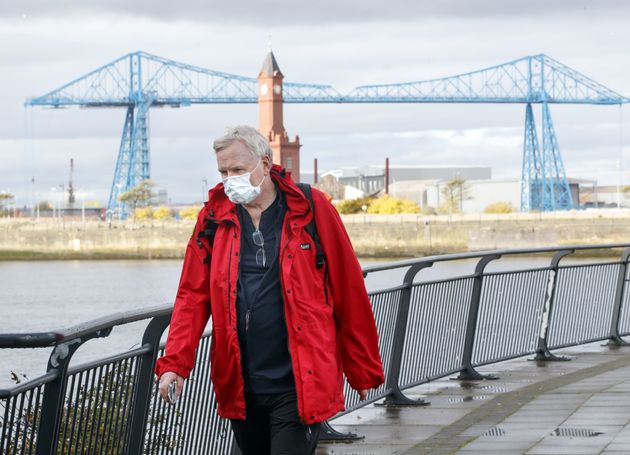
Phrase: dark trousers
{"type": "Point", "coordinates": [273, 427]}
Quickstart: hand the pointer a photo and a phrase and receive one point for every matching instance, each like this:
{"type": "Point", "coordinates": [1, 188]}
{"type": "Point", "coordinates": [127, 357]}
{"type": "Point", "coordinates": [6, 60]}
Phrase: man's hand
{"type": "Point", "coordinates": [363, 394]}
{"type": "Point", "coordinates": [165, 380]}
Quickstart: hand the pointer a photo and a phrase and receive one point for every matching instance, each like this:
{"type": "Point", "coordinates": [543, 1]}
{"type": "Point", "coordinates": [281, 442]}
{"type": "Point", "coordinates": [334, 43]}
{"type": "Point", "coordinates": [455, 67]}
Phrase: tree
{"type": "Point", "coordinates": [5, 197]}
{"type": "Point", "coordinates": [455, 192]}
{"type": "Point", "coordinates": [140, 195]}
{"type": "Point", "coordinates": [45, 205]}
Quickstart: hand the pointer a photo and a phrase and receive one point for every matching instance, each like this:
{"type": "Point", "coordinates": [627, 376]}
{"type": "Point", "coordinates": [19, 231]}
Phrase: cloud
{"type": "Point", "coordinates": [283, 12]}
{"type": "Point", "coordinates": [343, 44]}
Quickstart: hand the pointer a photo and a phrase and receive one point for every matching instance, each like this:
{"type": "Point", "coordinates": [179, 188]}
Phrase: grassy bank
{"type": "Point", "coordinates": [373, 236]}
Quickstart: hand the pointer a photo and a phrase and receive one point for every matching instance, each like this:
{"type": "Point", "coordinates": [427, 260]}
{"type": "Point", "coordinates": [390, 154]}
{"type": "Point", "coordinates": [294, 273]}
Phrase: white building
{"type": "Point", "coordinates": [371, 179]}
{"type": "Point", "coordinates": [479, 194]}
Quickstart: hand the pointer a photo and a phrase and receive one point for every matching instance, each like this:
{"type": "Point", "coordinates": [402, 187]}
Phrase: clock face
{"type": "Point", "coordinates": [277, 88]}
{"type": "Point", "coordinates": [263, 89]}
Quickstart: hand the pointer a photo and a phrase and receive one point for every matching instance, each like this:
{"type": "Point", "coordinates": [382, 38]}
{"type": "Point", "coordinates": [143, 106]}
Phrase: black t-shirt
{"type": "Point", "coordinates": [262, 330]}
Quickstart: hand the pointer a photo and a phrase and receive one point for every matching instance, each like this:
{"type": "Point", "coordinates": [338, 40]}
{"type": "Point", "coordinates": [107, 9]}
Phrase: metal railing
{"type": "Point", "coordinates": [427, 329]}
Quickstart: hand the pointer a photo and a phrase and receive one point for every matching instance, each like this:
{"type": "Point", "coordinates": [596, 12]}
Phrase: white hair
{"type": "Point", "coordinates": [253, 140]}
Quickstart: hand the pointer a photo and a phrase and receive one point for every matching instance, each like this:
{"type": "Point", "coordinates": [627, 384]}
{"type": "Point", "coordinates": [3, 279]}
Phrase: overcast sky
{"type": "Point", "coordinates": [343, 43]}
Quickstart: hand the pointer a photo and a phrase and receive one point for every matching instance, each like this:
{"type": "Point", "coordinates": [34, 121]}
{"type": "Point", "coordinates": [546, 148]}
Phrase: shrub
{"type": "Point", "coordinates": [162, 213]}
{"type": "Point", "coordinates": [92, 417]}
{"type": "Point", "coordinates": [143, 213]}
{"type": "Point", "coordinates": [350, 206]}
{"type": "Point", "coordinates": [189, 213]}
{"type": "Point", "coordinates": [391, 205]}
{"type": "Point", "coordinates": [499, 207]}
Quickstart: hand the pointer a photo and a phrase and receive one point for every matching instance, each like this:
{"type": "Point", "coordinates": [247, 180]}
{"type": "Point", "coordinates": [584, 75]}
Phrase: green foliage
{"type": "Point", "coordinates": [4, 196]}
{"type": "Point", "coordinates": [108, 402]}
{"type": "Point", "coordinates": [499, 207]}
{"type": "Point", "coordinates": [350, 206]}
{"type": "Point", "coordinates": [4, 199]}
{"type": "Point", "coordinates": [95, 418]}
{"type": "Point", "coordinates": [189, 213]}
{"type": "Point", "coordinates": [392, 205]}
{"type": "Point", "coordinates": [428, 210]}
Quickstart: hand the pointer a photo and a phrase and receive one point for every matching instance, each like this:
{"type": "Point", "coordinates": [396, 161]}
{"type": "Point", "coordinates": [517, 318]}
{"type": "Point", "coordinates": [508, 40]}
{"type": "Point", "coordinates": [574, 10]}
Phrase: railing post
{"type": "Point", "coordinates": [144, 384]}
{"type": "Point", "coordinates": [467, 372]}
{"type": "Point", "coordinates": [614, 338]}
{"type": "Point", "coordinates": [328, 434]}
{"type": "Point", "coordinates": [542, 350]}
{"type": "Point", "coordinates": [395, 397]}
{"type": "Point", "coordinates": [55, 392]}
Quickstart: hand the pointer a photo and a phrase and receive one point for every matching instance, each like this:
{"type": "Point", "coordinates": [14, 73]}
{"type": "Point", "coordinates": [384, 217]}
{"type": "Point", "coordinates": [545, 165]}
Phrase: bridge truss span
{"type": "Point", "coordinates": [139, 81]}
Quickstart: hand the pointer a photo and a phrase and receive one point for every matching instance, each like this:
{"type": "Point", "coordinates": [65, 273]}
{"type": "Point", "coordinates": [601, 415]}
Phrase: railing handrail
{"type": "Point", "coordinates": [53, 338]}
{"type": "Point", "coordinates": [397, 310]}
{"type": "Point", "coordinates": [481, 253]}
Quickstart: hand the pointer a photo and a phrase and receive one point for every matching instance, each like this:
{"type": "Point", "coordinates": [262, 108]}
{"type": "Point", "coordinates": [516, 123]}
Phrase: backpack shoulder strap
{"type": "Point", "coordinates": [311, 227]}
{"type": "Point", "coordinates": [208, 231]}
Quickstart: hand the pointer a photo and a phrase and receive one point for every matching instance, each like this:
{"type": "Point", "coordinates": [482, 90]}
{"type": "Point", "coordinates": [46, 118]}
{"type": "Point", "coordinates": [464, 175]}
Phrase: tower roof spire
{"type": "Point", "coordinates": [270, 66]}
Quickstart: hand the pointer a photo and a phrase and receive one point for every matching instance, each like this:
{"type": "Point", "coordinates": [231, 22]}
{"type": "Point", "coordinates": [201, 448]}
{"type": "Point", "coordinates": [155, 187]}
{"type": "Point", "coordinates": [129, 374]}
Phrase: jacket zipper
{"type": "Point", "coordinates": [229, 303]}
{"type": "Point", "coordinates": [296, 374]}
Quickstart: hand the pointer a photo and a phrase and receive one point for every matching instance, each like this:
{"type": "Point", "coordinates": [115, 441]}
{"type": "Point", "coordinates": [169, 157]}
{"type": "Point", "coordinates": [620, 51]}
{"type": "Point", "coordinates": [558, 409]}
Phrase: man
{"type": "Point", "coordinates": [285, 326]}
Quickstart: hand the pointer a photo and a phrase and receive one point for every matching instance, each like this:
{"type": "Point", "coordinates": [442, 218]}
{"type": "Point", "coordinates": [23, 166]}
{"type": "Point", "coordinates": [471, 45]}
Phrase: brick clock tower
{"type": "Point", "coordinates": [285, 152]}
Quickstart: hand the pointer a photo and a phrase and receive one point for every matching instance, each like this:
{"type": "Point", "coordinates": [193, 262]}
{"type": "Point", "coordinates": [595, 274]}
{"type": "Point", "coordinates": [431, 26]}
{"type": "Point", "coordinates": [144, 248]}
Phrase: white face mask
{"type": "Point", "coordinates": [239, 189]}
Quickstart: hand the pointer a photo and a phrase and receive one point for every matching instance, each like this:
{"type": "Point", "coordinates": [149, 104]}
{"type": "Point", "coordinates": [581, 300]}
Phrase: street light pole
{"type": "Point", "coordinates": [619, 184]}
{"type": "Point", "coordinates": [54, 200]}
{"type": "Point", "coordinates": [61, 202]}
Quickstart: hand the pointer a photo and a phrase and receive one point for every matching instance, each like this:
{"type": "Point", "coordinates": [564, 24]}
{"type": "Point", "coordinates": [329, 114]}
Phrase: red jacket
{"type": "Point", "coordinates": [329, 318]}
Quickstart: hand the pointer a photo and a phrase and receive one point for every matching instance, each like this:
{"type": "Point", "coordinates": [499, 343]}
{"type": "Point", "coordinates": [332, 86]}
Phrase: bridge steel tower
{"type": "Point", "coordinates": [139, 81]}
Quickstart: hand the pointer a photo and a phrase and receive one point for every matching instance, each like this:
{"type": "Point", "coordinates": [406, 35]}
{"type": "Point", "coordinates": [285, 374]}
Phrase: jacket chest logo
{"type": "Point", "coordinates": [305, 246]}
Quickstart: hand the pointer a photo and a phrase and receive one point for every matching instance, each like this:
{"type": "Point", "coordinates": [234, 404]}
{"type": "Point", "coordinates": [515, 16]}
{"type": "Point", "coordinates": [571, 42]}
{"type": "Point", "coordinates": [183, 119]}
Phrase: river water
{"type": "Point", "coordinates": [47, 295]}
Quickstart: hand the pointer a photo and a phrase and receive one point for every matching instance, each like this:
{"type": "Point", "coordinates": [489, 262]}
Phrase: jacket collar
{"type": "Point", "coordinates": [220, 208]}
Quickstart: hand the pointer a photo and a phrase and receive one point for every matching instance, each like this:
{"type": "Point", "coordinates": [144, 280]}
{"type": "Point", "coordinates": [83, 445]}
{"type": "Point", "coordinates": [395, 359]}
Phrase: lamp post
{"type": "Point", "coordinates": [61, 201]}
{"type": "Point", "coordinates": [54, 200]}
{"type": "Point", "coordinates": [618, 166]}
{"type": "Point", "coordinates": [204, 190]}
{"type": "Point", "coordinates": [81, 194]}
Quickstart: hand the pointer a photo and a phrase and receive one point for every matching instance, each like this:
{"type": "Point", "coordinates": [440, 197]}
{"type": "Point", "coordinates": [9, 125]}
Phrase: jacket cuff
{"type": "Point", "coordinates": [367, 385]}
{"type": "Point", "coordinates": [163, 366]}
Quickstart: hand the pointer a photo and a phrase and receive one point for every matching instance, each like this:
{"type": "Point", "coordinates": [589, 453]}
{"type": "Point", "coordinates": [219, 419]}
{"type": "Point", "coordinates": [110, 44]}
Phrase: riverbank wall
{"type": "Point", "coordinates": [391, 236]}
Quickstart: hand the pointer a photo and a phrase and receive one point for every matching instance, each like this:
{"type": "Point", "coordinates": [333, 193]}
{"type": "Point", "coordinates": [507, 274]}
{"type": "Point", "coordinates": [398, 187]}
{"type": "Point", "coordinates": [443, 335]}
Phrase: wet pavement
{"type": "Point", "coordinates": [538, 408]}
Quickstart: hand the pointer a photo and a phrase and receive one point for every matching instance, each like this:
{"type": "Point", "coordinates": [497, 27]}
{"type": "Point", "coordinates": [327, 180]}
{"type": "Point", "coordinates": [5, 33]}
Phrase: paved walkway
{"type": "Point", "coordinates": [554, 408]}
